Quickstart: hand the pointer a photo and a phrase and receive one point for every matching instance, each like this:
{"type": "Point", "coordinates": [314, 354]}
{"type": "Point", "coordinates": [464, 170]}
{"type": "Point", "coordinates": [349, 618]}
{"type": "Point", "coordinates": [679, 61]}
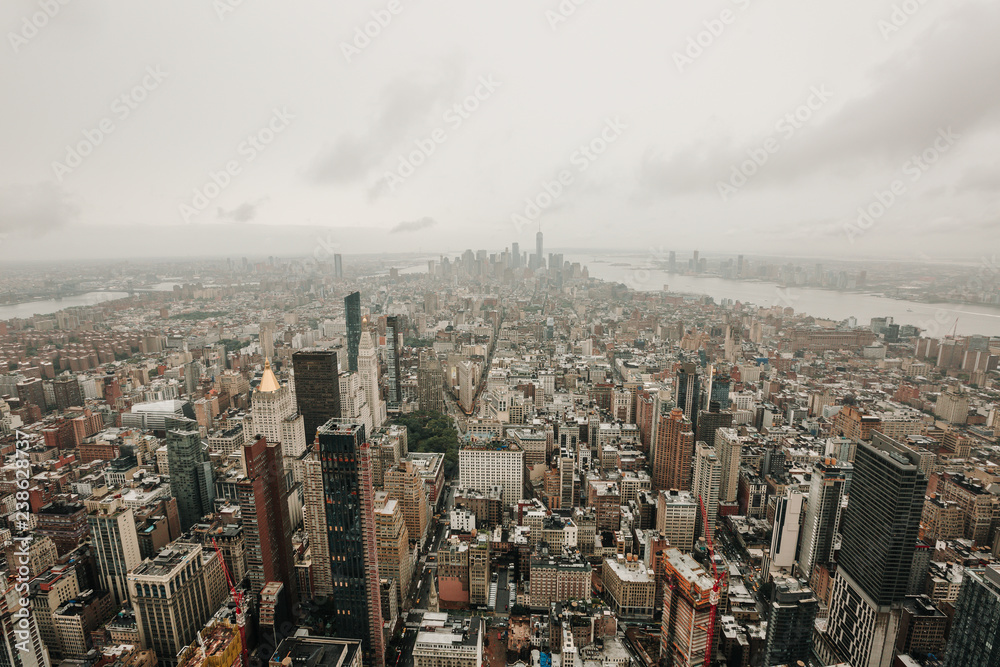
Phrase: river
{"type": "Point", "coordinates": [49, 306]}
{"type": "Point", "coordinates": [936, 319]}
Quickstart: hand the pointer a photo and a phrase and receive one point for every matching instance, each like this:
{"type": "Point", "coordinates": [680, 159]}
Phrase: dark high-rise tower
{"type": "Point", "coordinates": [352, 311]}
{"type": "Point", "coordinates": [191, 479]}
{"type": "Point", "coordinates": [879, 531]}
{"type": "Point", "coordinates": [430, 383]}
{"type": "Point", "coordinates": [317, 388]}
{"type": "Point", "coordinates": [394, 375]}
{"type": "Point", "coordinates": [263, 498]}
{"type": "Point", "coordinates": [975, 635]}
{"type": "Point", "coordinates": [351, 534]}
{"type": "Point", "coordinates": [791, 614]}
{"type": "Point", "coordinates": [687, 393]}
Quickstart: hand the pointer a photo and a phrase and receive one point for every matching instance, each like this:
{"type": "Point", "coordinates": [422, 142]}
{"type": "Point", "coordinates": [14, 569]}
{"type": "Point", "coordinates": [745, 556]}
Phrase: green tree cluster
{"type": "Point", "coordinates": [432, 432]}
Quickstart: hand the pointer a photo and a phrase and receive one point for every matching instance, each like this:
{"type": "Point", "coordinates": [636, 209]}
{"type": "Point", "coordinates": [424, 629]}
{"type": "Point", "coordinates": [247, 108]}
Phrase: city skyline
{"type": "Point", "coordinates": [827, 135]}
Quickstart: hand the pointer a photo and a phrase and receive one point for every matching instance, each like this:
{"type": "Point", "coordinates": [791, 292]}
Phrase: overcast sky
{"type": "Point", "coordinates": [116, 112]}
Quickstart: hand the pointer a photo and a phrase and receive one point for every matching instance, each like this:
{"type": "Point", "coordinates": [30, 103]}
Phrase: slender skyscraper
{"type": "Point", "coordinates": [826, 495]}
{"type": "Point", "coordinates": [191, 480]}
{"type": "Point", "coordinates": [394, 378]}
{"type": "Point", "coordinates": [317, 388]}
{"type": "Point", "coordinates": [975, 636]}
{"type": "Point", "coordinates": [263, 498]}
{"type": "Point", "coordinates": [705, 484]}
{"type": "Point", "coordinates": [673, 448]}
{"type": "Point", "coordinates": [879, 529]}
{"type": "Point", "coordinates": [538, 250]}
{"type": "Point", "coordinates": [352, 312]}
{"type": "Point", "coordinates": [115, 544]}
{"type": "Point", "coordinates": [687, 393]}
{"type": "Point", "coordinates": [274, 415]}
{"type": "Point", "coordinates": [515, 255]}
{"type": "Point", "coordinates": [352, 541]}
{"type": "Point", "coordinates": [338, 266]}
{"type": "Point", "coordinates": [368, 372]}
{"type": "Point", "coordinates": [791, 614]}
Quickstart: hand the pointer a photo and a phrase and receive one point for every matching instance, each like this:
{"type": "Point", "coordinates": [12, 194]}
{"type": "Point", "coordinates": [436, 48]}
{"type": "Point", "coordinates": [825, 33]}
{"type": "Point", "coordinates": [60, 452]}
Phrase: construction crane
{"type": "Point", "coordinates": [237, 595]}
{"type": "Point", "coordinates": [713, 597]}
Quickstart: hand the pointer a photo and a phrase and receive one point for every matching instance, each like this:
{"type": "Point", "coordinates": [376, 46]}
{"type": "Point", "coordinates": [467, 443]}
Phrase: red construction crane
{"type": "Point", "coordinates": [241, 620]}
{"type": "Point", "coordinates": [713, 597]}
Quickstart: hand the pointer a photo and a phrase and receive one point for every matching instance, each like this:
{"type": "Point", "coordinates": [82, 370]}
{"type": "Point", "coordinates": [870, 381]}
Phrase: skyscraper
{"type": "Point", "coordinates": [540, 262]}
{"type": "Point", "coordinates": [515, 255]}
{"type": "Point", "coordinates": [879, 530]}
{"type": "Point", "coordinates": [673, 449]}
{"type": "Point", "coordinates": [687, 394]}
{"type": "Point", "coordinates": [430, 383]}
{"type": "Point", "coordinates": [191, 480]}
{"type": "Point", "coordinates": [394, 546]}
{"type": "Point", "coordinates": [317, 388]}
{"type": "Point", "coordinates": [173, 595]}
{"type": "Point", "coordinates": [705, 484]}
{"type": "Point", "coordinates": [263, 498]}
{"type": "Point", "coordinates": [394, 379]}
{"type": "Point", "coordinates": [791, 613]}
{"type": "Point", "coordinates": [352, 313]}
{"type": "Point", "coordinates": [115, 543]}
{"type": "Point", "coordinates": [351, 535]}
{"type": "Point", "coordinates": [338, 266]}
{"type": "Point", "coordinates": [823, 513]}
{"type": "Point", "coordinates": [975, 634]}
{"type": "Point", "coordinates": [729, 446]}
{"type": "Point", "coordinates": [785, 536]}
{"type": "Point", "coordinates": [266, 335]}
{"type": "Point", "coordinates": [314, 520]}
{"type": "Point", "coordinates": [275, 417]}
{"type": "Point", "coordinates": [368, 373]}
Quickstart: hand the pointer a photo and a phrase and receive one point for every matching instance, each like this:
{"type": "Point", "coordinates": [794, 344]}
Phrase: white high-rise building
{"type": "Point", "coordinates": [369, 376]}
{"type": "Point", "coordinates": [115, 543]}
{"type": "Point", "coordinates": [785, 536]}
{"type": "Point", "coordinates": [707, 477]}
{"type": "Point", "coordinates": [729, 447]}
{"type": "Point", "coordinates": [484, 465]}
{"type": "Point", "coordinates": [354, 400]}
{"type": "Point", "coordinates": [275, 416]}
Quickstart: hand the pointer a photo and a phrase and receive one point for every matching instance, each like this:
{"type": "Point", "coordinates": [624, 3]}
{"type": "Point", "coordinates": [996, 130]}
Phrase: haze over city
{"type": "Point", "coordinates": [840, 97]}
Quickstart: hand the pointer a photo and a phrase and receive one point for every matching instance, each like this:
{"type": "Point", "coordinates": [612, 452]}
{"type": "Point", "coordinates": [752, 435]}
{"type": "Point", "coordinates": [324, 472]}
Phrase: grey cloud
{"type": "Point", "coordinates": [245, 212]}
{"type": "Point", "coordinates": [35, 210]}
{"type": "Point", "coordinates": [941, 81]}
{"type": "Point", "coordinates": [406, 105]}
{"type": "Point", "coordinates": [413, 225]}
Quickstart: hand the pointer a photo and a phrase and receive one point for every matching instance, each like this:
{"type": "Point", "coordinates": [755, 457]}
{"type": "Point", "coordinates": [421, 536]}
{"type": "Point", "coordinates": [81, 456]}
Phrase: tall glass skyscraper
{"type": "Point", "coordinates": [191, 480]}
{"type": "Point", "coordinates": [879, 529]}
{"type": "Point", "coordinates": [394, 379]}
{"type": "Point", "coordinates": [317, 388]}
{"type": "Point", "coordinates": [687, 393]}
{"type": "Point", "coordinates": [975, 635]}
{"type": "Point", "coordinates": [349, 499]}
{"type": "Point", "coordinates": [352, 312]}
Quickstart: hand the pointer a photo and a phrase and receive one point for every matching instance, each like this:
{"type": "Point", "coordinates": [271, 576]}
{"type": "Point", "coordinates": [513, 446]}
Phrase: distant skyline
{"type": "Point", "coordinates": [238, 128]}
